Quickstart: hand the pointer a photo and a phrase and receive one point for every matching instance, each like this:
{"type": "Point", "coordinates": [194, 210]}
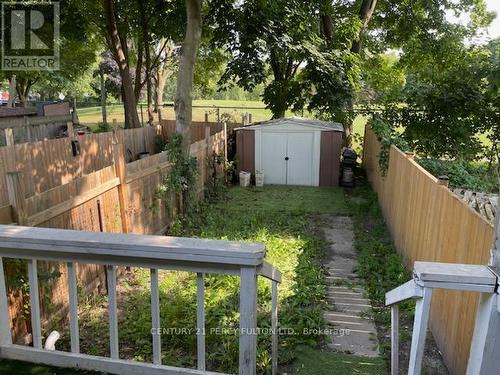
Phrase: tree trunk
{"type": "Point", "coordinates": [23, 87]}
{"type": "Point", "coordinates": [163, 72]}
{"type": "Point", "coordinates": [138, 71]}
{"type": "Point", "coordinates": [183, 96]}
{"type": "Point", "coordinates": [12, 92]}
{"type": "Point", "coordinates": [115, 45]}
{"type": "Point", "coordinates": [103, 99]}
{"type": "Point", "coordinates": [145, 38]}
{"type": "Point", "coordinates": [160, 88]}
{"type": "Point", "coordinates": [365, 15]}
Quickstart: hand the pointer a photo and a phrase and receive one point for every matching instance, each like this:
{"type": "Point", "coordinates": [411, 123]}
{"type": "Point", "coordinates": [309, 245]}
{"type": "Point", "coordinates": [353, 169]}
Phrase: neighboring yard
{"type": "Point", "coordinates": [91, 116]}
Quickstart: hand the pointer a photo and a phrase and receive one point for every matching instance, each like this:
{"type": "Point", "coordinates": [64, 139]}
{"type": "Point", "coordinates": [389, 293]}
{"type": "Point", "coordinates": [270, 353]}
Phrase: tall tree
{"type": "Point", "coordinates": [118, 45]}
{"type": "Point", "coordinates": [183, 98]}
{"type": "Point", "coordinates": [164, 70]}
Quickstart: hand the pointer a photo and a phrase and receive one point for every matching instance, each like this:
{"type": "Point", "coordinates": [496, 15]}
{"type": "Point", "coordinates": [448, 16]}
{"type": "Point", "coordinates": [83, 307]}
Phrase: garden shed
{"type": "Point", "coordinates": [291, 151]}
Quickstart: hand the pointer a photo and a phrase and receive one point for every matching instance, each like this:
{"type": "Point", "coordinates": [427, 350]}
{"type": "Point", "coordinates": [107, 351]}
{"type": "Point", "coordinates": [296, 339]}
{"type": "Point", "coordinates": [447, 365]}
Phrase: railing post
{"type": "Point", "coordinates": [155, 316]}
{"type": "Point", "coordinates": [9, 137]}
{"type": "Point", "coordinates": [274, 326]}
{"type": "Point", "coordinates": [120, 170]}
{"type": "Point", "coordinates": [5, 333]}
{"type": "Point", "coordinates": [17, 196]}
{"type": "Point", "coordinates": [200, 320]}
{"type": "Point", "coordinates": [422, 311]}
{"type": "Point", "coordinates": [395, 339]}
{"type": "Point", "coordinates": [112, 315]}
{"type": "Point", "coordinates": [36, 326]}
{"type": "Point", "coordinates": [248, 321]}
{"type": "Point", "coordinates": [73, 308]}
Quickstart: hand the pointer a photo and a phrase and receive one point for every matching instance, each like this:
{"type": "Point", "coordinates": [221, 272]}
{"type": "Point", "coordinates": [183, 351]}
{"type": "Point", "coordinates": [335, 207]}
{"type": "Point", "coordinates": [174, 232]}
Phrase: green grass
{"type": "Point", "coordinates": [92, 115]}
{"type": "Point", "coordinates": [292, 199]}
{"type": "Point", "coordinates": [315, 362]}
{"type": "Point", "coordinates": [22, 368]}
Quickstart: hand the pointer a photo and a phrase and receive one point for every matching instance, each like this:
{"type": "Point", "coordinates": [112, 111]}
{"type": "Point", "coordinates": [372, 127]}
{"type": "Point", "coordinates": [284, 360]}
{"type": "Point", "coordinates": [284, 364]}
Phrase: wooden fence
{"type": "Point", "coordinates": [430, 223]}
{"type": "Point", "coordinates": [198, 128]}
{"type": "Point", "coordinates": [98, 190]}
{"type": "Point", "coordinates": [32, 128]}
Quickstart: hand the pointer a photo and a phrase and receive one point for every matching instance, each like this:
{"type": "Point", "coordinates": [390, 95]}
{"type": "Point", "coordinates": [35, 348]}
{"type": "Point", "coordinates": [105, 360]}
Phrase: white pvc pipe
{"type": "Point", "coordinates": [50, 343]}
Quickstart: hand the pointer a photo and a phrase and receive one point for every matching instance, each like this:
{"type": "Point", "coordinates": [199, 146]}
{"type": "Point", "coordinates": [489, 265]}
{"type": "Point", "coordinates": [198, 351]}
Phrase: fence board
{"type": "Point", "coordinates": [429, 223]}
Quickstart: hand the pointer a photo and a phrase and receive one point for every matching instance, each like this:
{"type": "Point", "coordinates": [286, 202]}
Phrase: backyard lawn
{"type": "Point", "coordinates": [280, 217]}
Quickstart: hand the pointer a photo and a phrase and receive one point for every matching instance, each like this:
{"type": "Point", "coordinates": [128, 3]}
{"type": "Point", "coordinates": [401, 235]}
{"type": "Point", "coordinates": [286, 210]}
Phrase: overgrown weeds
{"type": "Point", "coordinates": [279, 217]}
{"type": "Point", "coordinates": [383, 270]}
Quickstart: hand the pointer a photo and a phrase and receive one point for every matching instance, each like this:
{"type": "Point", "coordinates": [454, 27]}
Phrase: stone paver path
{"type": "Point", "coordinates": [351, 329]}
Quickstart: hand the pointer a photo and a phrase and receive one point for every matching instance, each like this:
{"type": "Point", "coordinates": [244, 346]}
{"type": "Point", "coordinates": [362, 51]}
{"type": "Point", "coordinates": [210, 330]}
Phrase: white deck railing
{"type": "Point", "coordinates": [154, 252]}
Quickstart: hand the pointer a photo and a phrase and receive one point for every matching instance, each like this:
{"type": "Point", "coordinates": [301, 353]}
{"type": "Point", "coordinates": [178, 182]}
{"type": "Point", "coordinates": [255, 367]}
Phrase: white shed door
{"type": "Point", "coordinates": [300, 158]}
{"type": "Point", "coordinates": [287, 158]}
{"type": "Point", "coordinates": [273, 158]}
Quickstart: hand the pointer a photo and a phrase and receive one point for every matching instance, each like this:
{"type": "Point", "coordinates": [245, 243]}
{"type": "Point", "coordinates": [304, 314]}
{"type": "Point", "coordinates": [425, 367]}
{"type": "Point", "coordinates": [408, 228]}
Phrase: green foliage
{"type": "Point", "coordinates": [383, 80]}
{"type": "Point", "coordinates": [216, 188]}
{"type": "Point", "coordinates": [379, 265]}
{"type": "Point", "coordinates": [102, 127]}
{"type": "Point", "coordinates": [477, 176]}
{"type": "Point", "coordinates": [17, 281]}
{"type": "Point", "coordinates": [180, 182]}
{"type": "Point", "coordinates": [450, 95]}
{"type": "Point", "coordinates": [388, 136]}
{"type": "Point", "coordinates": [316, 362]}
{"type": "Point", "coordinates": [17, 367]}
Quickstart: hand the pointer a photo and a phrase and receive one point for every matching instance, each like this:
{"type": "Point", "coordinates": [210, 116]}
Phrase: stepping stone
{"type": "Point", "coordinates": [349, 327]}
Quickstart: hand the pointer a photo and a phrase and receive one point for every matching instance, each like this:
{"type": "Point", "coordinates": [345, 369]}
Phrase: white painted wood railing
{"type": "Point", "coordinates": [154, 252]}
{"type": "Point", "coordinates": [428, 276]}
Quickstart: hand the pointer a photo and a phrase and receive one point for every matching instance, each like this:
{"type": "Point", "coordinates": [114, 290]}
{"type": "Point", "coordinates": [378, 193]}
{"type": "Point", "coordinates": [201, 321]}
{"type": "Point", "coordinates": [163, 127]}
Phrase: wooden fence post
{"type": "Point", "coordinates": [28, 129]}
{"type": "Point", "coordinates": [443, 181]}
{"type": "Point", "coordinates": [249, 118]}
{"type": "Point", "coordinates": [74, 114]}
{"type": "Point", "coordinates": [225, 141]}
{"type": "Point", "coordinates": [9, 136]}
{"type": "Point", "coordinates": [206, 118]}
{"type": "Point", "coordinates": [71, 130]}
{"type": "Point", "coordinates": [17, 196]}
{"type": "Point", "coordinates": [120, 169]}
{"type": "Point", "coordinates": [204, 161]}
{"type": "Point", "coordinates": [495, 252]}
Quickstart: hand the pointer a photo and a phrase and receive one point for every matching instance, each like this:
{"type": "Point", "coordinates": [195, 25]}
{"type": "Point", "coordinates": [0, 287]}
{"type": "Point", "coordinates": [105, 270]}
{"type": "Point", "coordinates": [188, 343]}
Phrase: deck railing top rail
{"type": "Point", "coordinates": [31, 241]}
